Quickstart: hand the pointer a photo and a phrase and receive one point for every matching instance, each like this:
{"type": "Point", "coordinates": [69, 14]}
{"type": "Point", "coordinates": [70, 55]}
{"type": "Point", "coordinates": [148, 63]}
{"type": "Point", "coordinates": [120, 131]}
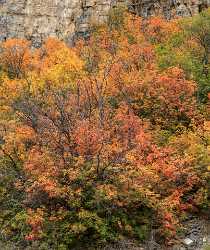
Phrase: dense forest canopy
{"type": "Point", "coordinates": [108, 139]}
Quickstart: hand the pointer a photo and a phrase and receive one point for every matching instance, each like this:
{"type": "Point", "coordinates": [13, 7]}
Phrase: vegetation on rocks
{"type": "Point", "coordinates": [106, 140]}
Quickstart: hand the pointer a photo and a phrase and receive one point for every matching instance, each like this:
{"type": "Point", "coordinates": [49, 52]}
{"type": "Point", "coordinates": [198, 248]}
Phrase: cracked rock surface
{"type": "Point", "coordinates": [38, 19]}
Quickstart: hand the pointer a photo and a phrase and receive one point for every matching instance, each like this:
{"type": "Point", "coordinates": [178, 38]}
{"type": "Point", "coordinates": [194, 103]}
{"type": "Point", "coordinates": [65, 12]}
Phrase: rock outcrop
{"type": "Point", "coordinates": [168, 8]}
{"type": "Point", "coordinates": [38, 19]}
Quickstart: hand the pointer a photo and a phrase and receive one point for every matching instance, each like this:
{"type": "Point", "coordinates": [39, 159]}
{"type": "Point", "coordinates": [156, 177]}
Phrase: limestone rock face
{"type": "Point", "coordinates": [168, 8]}
{"type": "Point", "coordinates": [38, 19]}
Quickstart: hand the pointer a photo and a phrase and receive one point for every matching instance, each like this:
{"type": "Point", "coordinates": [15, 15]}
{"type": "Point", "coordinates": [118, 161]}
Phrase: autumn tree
{"type": "Point", "coordinates": [16, 57]}
{"type": "Point", "coordinates": [188, 47]}
{"type": "Point", "coordinates": [100, 141]}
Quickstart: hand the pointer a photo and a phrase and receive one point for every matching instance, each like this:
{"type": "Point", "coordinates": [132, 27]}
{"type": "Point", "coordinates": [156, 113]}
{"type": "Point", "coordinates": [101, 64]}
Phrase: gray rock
{"type": "Point", "coordinates": [63, 19]}
{"type": "Point", "coordinates": [188, 241]}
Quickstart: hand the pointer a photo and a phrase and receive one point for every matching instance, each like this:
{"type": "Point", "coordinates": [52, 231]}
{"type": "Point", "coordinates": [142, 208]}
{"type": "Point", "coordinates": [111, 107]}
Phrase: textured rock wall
{"type": "Point", "coordinates": [38, 19]}
{"type": "Point", "coordinates": [168, 8]}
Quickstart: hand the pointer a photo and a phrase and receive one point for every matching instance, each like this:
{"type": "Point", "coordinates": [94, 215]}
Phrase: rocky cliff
{"type": "Point", "coordinates": [38, 19]}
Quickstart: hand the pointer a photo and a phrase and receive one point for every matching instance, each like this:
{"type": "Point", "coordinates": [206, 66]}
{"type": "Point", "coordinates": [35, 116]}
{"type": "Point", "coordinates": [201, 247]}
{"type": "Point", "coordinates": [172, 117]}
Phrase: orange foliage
{"type": "Point", "coordinates": [16, 56]}
{"type": "Point", "coordinates": [86, 130]}
{"type": "Point", "coordinates": [159, 30]}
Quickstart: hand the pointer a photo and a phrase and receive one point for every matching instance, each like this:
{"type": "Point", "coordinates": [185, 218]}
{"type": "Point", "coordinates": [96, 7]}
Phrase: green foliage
{"type": "Point", "coordinates": [190, 49]}
{"type": "Point", "coordinates": [116, 18]}
{"type": "Point", "coordinates": [207, 247]}
{"type": "Point", "coordinates": [107, 140]}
